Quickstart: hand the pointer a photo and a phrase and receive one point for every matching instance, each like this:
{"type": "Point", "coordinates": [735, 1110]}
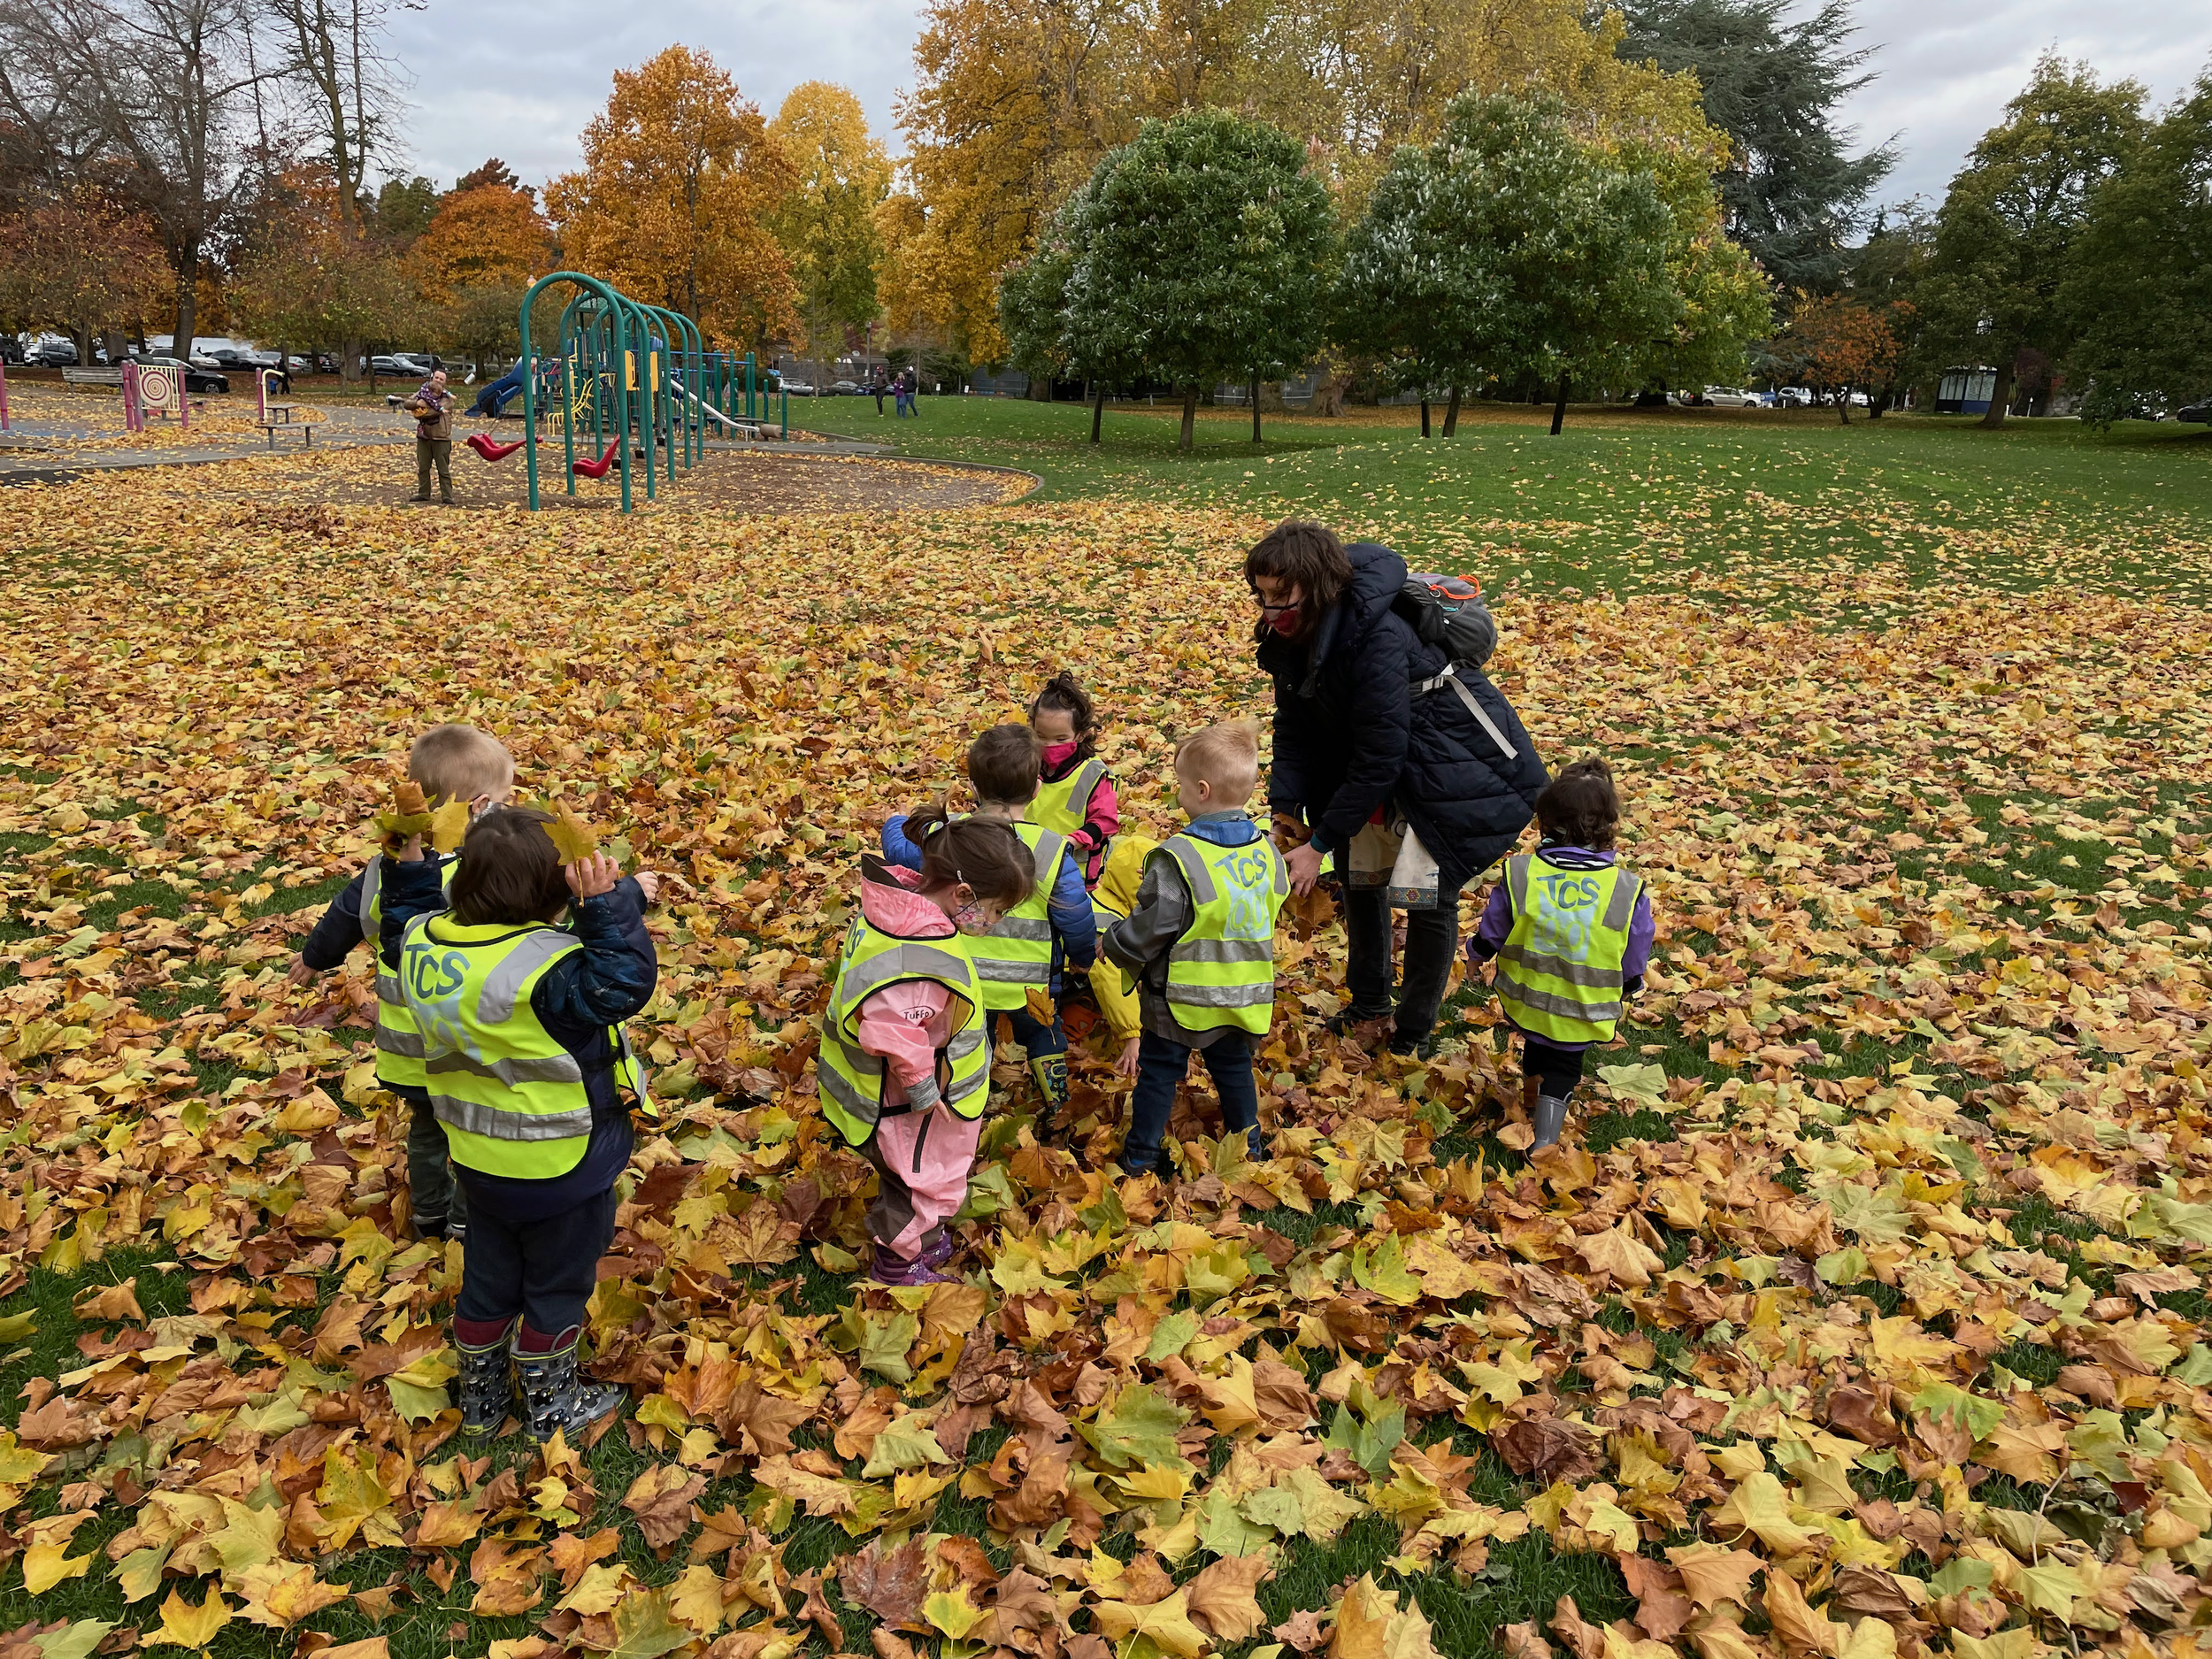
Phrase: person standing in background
{"type": "Point", "coordinates": [432, 411]}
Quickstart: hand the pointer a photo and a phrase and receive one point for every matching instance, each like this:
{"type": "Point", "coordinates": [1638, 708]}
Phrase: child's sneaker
{"type": "Point", "coordinates": [891, 1269]}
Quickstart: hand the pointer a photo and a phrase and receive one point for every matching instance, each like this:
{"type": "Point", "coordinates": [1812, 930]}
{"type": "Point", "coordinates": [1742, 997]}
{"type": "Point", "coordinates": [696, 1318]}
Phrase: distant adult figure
{"type": "Point", "coordinates": [877, 390]}
{"type": "Point", "coordinates": [432, 410]}
{"type": "Point", "coordinates": [1415, 778]}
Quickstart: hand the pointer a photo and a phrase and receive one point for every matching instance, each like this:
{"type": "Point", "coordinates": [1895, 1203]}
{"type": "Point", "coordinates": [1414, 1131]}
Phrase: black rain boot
{"type": "Point", "coordinates": [556, 1396]}
{"type": "Point", "coordinates": [487, 1386]}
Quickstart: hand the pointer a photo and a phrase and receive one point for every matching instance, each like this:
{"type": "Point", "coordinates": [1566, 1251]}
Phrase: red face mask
{"type": "Point", "coordinates": [1058, 754]}
{"type": "Point", "coordinates": [1284, 622]}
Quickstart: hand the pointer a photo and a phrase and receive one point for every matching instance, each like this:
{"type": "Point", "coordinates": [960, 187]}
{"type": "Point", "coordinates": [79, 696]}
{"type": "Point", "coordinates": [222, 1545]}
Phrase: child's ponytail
{"type": "Point", "coordinates": [985, 855]}
{"type": "Point", "coordinates": [920, 825]}
{"type": "Point", "coordinates": [1065, 692]}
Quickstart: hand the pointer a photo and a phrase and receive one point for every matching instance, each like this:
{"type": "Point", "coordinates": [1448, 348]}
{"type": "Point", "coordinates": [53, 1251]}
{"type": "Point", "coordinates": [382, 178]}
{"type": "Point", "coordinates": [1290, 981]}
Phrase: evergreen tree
{"type": "Point", "coordinates": [2137, 297]}
{"type": "Point", "coordinates": [1794, 191]}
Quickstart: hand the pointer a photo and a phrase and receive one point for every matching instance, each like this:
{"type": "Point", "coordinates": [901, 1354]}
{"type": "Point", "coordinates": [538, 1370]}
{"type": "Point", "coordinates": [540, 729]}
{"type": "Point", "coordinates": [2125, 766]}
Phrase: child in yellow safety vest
{"type": "Point", "coordinates": [1572, 933]}
{"type": "Point", "coordinates": [904, 1068]}
{"type": "Point", "coordinates": [1075, 792]}
{"type": "Point", "coordinates": [1200, 946]}
{"type": "Point", "coordinates": [521, 1025]}
{"type": "Point", "coordinates": [449, 763]}
{"type": "Point", "coordinates": [1051, 928]}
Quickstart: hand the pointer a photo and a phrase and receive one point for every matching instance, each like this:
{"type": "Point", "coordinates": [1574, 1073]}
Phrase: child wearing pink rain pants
{"type": "Point", "coordinates": [904, 1069]}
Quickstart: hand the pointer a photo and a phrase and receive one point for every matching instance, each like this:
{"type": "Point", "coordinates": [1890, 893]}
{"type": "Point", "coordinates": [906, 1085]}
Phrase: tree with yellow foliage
{"type": "Point", "coordinates": [671, 205]}
{"type": "Point", "coordinates": [826, 224]}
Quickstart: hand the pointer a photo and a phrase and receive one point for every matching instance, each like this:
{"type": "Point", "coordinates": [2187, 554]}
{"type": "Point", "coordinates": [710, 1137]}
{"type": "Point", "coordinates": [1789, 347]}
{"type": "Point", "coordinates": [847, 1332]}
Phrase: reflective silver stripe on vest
{"type": "Point", "coordinates": [494, 1124]}
{"type": "Point", "coordinates": [1224, 951]}
{"type": "Point", "coordinates": [962, 1087]}
{"type": "Point", "coordinates": [865, 1108]}
{"type": "Point", "coordinates": [1009, 927]}
{"type": "Point", "coordinates": [1083, 785]}
{"type": "Point", "coordinates": [1221, 996]}
{"type": "Point", "coordinates": [1192, 863]}
{"type": "Point", "coordinates": [1597, 979]}
{"type": "Point", "coordinates": [907, 962]}
{"type": "Point", "coordinates": [552, 1067]}
{"type": "Point", "coordinates": [962, 1044]}
{"type": "Point", "coordinates": [496, 1002]}
{"type": "Point", "coordinates": [372, 884]}
{"type": "Point", "coordinates": [388, 989]}
{"type": "Point", "coordinates": [1007, 971]}
{"type": "Point", "coordinates": [1624, 905]}
{"type": "Point", "coordinates": [1559, 1007]}
{"type": "Point", "coordinates": [1046, 854]}
{"type": "Point", "coordinates": [406, 1044]}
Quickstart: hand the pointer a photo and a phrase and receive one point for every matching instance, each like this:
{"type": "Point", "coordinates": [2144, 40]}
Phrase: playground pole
{"type": "Point", "coordinates": [4, 398]}
{"type": "Point", "coordinates": [784, 416]}
{"type": "Point", "coordinates": [568, 421]}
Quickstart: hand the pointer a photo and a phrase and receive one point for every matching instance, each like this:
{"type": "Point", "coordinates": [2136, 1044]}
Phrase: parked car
{"type": "Point", "coordinates": [845, 388]}
{"type": "Point", "coordinates": [52, 354]}
{"type": "Point", "coordinates": [195, 378]}
{"type": "Point", "coordinates": [399, 367]}
{"type": "Point", "coordinates": [1793, 397]}
{"type": "Point", "coordinates": [798, 388]}
{"type": "Point", "coordinates": [2198, 414]}
{"type": "Point", "coordinates": [1731, 397]}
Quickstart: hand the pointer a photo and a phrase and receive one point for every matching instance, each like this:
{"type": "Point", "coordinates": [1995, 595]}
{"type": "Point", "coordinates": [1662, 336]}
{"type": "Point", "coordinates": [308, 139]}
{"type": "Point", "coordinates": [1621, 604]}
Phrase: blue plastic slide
{"type": "Point", "coordinates": [495, 396]}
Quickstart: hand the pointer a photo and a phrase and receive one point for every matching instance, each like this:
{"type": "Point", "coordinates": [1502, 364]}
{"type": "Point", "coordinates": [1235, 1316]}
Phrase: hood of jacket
{"type": "Point", "coordinates": [892, 905]}
{"type": "Point", "coordinates": [1378, 576]}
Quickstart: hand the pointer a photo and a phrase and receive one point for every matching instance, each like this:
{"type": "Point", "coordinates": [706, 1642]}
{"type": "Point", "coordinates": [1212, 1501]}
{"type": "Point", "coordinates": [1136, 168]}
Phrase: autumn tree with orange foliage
{"type": "Point", "coordinates": [671, 204]}
{"type": "Point", "coordinates": [82, 264]}
{"type": "Point", "coordinates": [483, 248]}
{"type": "Point", "coordinates": [1839, 345]}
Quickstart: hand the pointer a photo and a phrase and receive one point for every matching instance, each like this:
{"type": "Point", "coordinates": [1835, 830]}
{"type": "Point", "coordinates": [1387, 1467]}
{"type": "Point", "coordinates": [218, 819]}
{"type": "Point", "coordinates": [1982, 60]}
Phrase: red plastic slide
{"type": "Point", "coordinates": [490, 448]}
{"type": "Point", "coordinates": [596, 469]}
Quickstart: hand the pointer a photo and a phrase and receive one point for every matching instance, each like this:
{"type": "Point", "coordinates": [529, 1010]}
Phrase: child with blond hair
{"type": "Point", "coordinates": [1200, 945]}
{"type": "Point", "coordinates": [449, 762]}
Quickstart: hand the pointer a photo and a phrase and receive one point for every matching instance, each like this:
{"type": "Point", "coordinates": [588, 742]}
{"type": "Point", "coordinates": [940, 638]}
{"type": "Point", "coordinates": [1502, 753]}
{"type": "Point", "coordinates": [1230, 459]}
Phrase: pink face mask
{"type": "Point", "coordinates": [1058, 754]}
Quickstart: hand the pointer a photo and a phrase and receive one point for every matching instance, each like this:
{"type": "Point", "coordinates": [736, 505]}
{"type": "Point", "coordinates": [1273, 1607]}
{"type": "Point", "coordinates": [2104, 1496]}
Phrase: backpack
{"type": "Point", "coordinates": [1447, 612]}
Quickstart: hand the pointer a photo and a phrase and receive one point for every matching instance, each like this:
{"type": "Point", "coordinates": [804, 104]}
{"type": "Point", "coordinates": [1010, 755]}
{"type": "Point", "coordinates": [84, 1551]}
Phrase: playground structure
{"type": "Point", "coordinates": [633, 382]}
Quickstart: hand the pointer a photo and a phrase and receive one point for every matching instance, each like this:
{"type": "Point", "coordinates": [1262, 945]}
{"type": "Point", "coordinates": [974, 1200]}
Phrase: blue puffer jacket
{"type": "Point", "coordinates": [1350, 735]}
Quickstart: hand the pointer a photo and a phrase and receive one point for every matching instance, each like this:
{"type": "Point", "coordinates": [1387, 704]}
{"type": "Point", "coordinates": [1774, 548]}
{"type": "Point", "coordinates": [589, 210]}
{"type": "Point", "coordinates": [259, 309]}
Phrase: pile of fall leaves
{"type": "Point", "coordinates": [1874, 1328]}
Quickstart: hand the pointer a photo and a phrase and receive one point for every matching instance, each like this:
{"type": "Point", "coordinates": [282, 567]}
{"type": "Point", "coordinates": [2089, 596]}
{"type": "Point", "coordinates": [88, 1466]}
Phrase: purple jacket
{"type": "Point", "coordinates": [1497, 925]}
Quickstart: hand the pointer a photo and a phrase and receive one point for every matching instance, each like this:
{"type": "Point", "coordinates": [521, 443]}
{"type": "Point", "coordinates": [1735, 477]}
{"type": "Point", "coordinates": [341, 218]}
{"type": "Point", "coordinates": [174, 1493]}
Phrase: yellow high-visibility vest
{"type": "Point", "coordinates": [1559, 971]}
{"type": "Point", "coordinates": [1016, 953]}
{"type": "Point", "coordinates": [1222, 971]}
{"type": "Point", "coordinates": [398, 1042]}
{"type": "Point", "coordinates": [850, 1080]}
{"type": "Point", "coordinates": [1061, 806]}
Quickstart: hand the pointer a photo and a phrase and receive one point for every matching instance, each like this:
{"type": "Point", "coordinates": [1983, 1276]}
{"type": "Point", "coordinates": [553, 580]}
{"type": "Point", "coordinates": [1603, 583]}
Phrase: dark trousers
{"type": "Point", "coordinates": [432, 1191]}
{"type": "Point", "coordinates": [1432, 936]}
{"type": "Point", "coordinates": [1556, 1070]}
{"type": "Point", "coordinates": [433, 452]}
{"type": "Point", "coordinates": [1162, 1065]}
{"type": "Point", "coordinates": [1035, 1037]}
{"type": "Point", "coordinates": [542, 1270]}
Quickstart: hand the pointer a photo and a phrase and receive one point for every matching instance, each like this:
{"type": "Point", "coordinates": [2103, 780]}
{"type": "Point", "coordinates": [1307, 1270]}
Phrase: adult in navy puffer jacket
{"type": "Point", "coordinates": [1353, 737]}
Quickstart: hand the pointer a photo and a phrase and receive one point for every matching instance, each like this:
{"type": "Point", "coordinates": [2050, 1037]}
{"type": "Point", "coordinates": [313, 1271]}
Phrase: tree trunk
{"type": "Point", "coordinates": [1451, 414]}
{"type": "Point", "coordinates": [1190, 415]}
{"type": "Point", "coordinates": [1098, 409]}
{"type": "Point", "coordinates": [2001, 394]}
{"type": "Point", "coordinates": [1425, 414]}
{"type": "Point", "coordinates": [1256, 409]}
{"type": "Point", "coordinates": [349, 363]}
{"type": "Point", "coordinates": [188, 313]}
{"type": "Point", "coordinates": [1559, 408]}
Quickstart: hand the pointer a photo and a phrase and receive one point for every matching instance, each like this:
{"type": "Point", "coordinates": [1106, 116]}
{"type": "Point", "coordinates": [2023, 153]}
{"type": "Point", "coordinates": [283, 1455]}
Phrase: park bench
{"type": "Point", "coordinates": [282, 417]}
{"type": "Point", "coordinates": [92, 377]}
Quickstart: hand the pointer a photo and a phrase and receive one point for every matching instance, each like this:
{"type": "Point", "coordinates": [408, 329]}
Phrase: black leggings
{"type": "Point", "coordinates": [1556, 1070]}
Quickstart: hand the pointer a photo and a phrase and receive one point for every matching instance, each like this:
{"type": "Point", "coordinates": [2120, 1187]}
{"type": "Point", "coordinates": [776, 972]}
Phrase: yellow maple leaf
{"type": "Point", "coordinates": [574, 838]}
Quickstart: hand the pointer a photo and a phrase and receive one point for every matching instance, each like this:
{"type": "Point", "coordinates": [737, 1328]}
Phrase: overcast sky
{"type": "Point", "coordinates": [518, 80]}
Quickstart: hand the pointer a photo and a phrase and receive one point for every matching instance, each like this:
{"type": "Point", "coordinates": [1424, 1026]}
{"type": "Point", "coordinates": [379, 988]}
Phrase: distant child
{"type": "Point", "coordinates": [1571, 931]}
{"type": "Point", "coordinates": [1200, 945]}
{"type": "Point", "coordinates": [1050, 928]}
{"type": "Point", "coordinates": [1114, 899]}
{"type": "Point", "coordinates": [905, 1063]}
{"type": "Point", "coordinates": [521, 1025]}
{"type": "Point", "coordinates": [1076, 796]}
{"type": "Point", "coordinates": [451, 763]}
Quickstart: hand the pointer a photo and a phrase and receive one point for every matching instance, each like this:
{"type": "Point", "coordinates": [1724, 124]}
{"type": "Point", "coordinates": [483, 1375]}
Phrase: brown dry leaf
{"type": "Point", "coordinates": [890, 1583]}
{"type": "Point", "coordinates": [1221, 1596]}
{"type": "Point", "coordinates": [1714, 1577]}
{"type": "Point", "coordinates": [660, 1497]}
{"type": "Point", "coordinates": [1547, 1449]}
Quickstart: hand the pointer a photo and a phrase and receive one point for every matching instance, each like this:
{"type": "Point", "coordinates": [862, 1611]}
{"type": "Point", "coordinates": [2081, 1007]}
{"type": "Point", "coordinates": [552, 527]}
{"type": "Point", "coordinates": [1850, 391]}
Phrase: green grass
{"type": "Point", "coordinates": [1610, 483]}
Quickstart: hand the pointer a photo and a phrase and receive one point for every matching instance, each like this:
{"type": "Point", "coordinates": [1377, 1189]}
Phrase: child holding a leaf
{"type": "Point", "coordinates": [1571, 931]}
{"type": "Point", "coordinates": [455, 774]}
{"type": "Point", "coordinates": [521, 1026]}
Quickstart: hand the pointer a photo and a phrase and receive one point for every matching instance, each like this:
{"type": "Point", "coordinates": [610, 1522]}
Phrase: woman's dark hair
{"type": "Point", "coordinates": [510, 872]}
{"type": "Point", "coordinates": [1308, 555]}
{"type": "Point", "coordinates": [1065, 692]}
{"type": "Point", "coordinates": [986, 853]}
{"type": "Point", "coordinates": [1002, 765]}
{"type": "Point", "coordinates": [1578, 807]}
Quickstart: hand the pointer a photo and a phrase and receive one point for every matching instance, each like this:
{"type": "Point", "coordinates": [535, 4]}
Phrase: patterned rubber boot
{"type": "Point", "coordinates": [557, 1395]}
{"type": "Point", "coordinates": [1051, 1072]}
{"type": "Point", "coordinates": [1255, 1147]}
{"type": "Point", "coordinates": [1551, 1118]}
{"type": "Point", "coordinates": [488, 1386]}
